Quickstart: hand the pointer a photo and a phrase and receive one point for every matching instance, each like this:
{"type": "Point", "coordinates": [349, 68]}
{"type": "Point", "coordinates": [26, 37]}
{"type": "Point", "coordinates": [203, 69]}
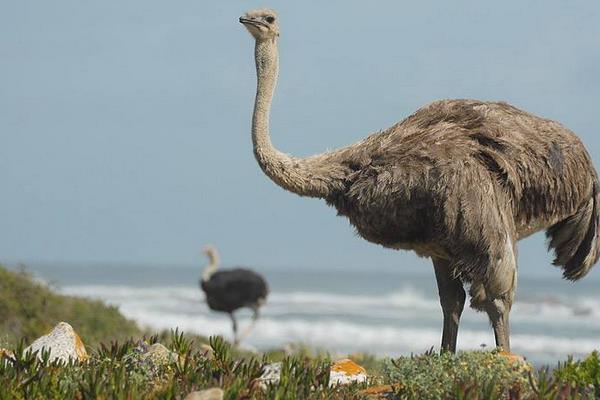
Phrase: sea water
{"type": "Point", "coordinates": [382, 312]}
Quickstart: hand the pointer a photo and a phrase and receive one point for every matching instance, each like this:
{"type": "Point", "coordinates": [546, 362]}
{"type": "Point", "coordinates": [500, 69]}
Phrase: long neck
{"type": "Point", "coordinates": [310, 176]}
{"type": "Point", "coordinates": [213, 264]}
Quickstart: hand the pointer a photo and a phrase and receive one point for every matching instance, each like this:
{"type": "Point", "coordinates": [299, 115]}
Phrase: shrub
{"type": "Point", "coordinates": [117, 371]}
{"type": "Point", "coordinates": [472, 375]}
{"type": "Point", "coordinates": [29, 309]}
{"type": "Point", "coordinates": [581, 375]}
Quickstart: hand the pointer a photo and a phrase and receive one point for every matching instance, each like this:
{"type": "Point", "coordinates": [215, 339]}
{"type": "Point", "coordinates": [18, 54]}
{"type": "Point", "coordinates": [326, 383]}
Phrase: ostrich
{"type": "Point", "coordinates": [232, 289]}
{"type": "Point", "coordinates": [458, 181]}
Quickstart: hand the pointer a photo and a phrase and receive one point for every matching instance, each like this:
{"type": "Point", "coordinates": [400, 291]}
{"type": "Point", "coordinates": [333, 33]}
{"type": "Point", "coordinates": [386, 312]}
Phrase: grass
{"type": "Point", "coordinates": [29, 309]}
{"type": "Point", "coordinates": [115, 372]}
{"type": "Point", "coordinates": [117, 369]}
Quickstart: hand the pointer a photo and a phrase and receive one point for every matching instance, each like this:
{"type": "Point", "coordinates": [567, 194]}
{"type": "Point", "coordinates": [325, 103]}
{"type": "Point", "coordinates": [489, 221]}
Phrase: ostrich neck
{"type": "Point", "coordinates": [213, 263]}
{"type": "Point", "coordinates": [312, 176]}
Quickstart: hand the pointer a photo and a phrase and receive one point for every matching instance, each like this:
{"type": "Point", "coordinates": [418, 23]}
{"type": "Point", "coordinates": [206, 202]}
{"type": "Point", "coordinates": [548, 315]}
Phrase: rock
{"type": "Point", "coordinates": [270, 374]}
{"type": "Point", "coordinates": [64, 344]}
{"type": "Point", "coordinates": [5, 353]}
{"type": "Point", "coordinates": [151, 358]}
{"type": "Point", "coordinates": [207, 351]}
{"type": "Point", "coordinates": [208, 394]}
{"type": "Point", "coordinates": [158, 355]}
{"type": "Point", "coordinates": [346, 371]}
{"type": "Point", "coordinates": [6, 356]}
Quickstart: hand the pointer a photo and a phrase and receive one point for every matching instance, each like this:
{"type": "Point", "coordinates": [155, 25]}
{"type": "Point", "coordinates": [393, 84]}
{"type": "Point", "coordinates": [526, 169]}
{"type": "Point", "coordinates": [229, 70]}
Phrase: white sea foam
{"type": "Point", "coordinates": [344, 337]}
{"type": "Point", "coordinates": [407, 299]}
{"type": "Point", "coordinates": [394, 323]}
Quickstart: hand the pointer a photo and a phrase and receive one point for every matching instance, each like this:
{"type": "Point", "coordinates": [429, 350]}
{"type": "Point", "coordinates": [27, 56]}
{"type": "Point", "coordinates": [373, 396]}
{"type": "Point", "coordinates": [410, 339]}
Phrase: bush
{"type": "Point", "coordinates": [118, 372]}
{"type": "Point", "coordinates": [29, 309]}
{"type": "Point", "coordinates": [581, 375]}
{"type": "Point", "coordinates": [472, 375]}
{"type": "Point", "coordinates": [121, 370]}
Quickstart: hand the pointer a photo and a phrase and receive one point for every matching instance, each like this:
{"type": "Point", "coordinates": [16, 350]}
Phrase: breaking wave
{"type": "Point", "coordinates": [395, 323]}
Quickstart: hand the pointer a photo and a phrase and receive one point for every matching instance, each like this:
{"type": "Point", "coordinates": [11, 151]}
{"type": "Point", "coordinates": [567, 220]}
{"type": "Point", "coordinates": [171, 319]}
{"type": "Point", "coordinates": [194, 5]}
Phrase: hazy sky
{"type": "Point", "coordinates": [124, 126]}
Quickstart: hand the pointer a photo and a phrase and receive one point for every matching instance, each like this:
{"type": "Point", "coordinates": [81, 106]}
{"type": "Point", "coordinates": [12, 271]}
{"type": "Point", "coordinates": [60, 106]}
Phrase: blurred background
{"type": "Point", "coordinates": [125, 146]}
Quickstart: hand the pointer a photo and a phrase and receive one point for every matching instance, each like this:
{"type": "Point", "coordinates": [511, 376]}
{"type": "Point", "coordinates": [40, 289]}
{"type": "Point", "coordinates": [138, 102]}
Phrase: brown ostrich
{"type": "Point", "coordinates": [460, 181]}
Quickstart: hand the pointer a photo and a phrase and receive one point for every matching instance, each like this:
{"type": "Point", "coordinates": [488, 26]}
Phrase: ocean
{"type": "Point", "coordinates": [386, 313]}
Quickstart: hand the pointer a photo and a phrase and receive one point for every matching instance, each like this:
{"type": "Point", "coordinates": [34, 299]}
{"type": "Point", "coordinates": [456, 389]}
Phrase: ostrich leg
{"type": "Point", "coordinates": [500, 291]}
{"type": "Point", "coordinates": [235, 328]}
{"type": "Point", "coordinates": [498, 310]}
{"type": "Point", "coordinates": [452, 300]}
{"type": "Point", "coordinates": [255, 315]}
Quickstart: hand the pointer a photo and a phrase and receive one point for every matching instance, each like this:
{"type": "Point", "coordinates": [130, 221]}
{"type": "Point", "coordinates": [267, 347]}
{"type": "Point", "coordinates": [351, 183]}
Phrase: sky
{"type": "Point", "coordinates": [125, 126]}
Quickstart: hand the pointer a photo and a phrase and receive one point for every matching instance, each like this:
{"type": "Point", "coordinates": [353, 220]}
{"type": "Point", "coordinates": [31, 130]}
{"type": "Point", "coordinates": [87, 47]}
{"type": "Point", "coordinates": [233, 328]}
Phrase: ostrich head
{"type": "Point", "coordinates": [210, 251]}
{"type": "Point", "coordinates": [262, 24]}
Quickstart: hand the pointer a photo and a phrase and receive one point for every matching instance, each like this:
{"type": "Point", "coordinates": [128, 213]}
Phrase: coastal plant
{"type": "Point", "coordinates": [30, 309]}
{"type": "Point", "coordinates": [466, 375]}
{"type": "Point", "coordinates": [581, 375]}
{"type": "Point", "coordinates": [121, 370]}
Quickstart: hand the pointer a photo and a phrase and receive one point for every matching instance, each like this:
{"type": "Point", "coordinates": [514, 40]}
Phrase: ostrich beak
{"type": "Point", "coordinates": [249, 21]}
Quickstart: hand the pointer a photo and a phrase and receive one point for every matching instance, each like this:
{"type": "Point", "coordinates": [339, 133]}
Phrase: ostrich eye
{"type": "Point", "coordinates": [270, 19]}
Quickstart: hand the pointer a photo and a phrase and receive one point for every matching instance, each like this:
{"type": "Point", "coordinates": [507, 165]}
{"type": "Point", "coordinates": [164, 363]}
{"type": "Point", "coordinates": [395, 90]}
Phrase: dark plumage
{"type": "Point", "coordinates": [230, 290]}
{"type": "Point", "coordinates": [234, 288]}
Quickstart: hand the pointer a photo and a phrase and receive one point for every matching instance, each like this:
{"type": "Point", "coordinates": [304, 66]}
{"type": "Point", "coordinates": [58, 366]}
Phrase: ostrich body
{"type": "Point", "coordinates": [459, 181]}
{"type": "Point", "coordinates": [232, 289]}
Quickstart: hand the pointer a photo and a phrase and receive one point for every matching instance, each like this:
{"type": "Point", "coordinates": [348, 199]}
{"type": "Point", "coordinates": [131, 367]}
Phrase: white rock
{"type": "Point", "coordinates": [208, 394]}
{"type": "Point", "coordinates": [63, 343]}
{"type": "Point", "coordinates": [271, 373]}
{"type": "Point", "coordinates": [346, 371]}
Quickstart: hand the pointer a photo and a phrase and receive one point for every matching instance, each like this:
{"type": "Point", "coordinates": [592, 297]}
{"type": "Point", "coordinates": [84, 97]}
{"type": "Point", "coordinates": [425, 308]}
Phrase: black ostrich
{"type": "Point", "coordinates": [229, 290]}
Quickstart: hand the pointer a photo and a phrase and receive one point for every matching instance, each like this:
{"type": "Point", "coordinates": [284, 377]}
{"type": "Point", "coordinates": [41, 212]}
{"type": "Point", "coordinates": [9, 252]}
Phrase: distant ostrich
{"type": "Point", "coordinates": [460, 181]}
{"type": "Point", "coordinates": [232, 289]}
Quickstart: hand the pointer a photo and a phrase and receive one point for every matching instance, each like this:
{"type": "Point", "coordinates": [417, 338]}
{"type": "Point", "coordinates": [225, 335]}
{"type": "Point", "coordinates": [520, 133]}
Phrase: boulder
{"type": "Point", "coordinates": [346, 371]}
{"type": "Point", "coordinates": [208, 394]}
{"type": "Point", "coordinates": [6, 356]}
{"type": "Point", "coordinates": [158, 354]}
{"type": "Point", "coordinates": [271, 374]}
{"type": "Point", "coordinates": [5, 353]}
{"type": "Point", "coordinates": [207, 351]}
{"type": "Point", "coordinates": [62, 342]}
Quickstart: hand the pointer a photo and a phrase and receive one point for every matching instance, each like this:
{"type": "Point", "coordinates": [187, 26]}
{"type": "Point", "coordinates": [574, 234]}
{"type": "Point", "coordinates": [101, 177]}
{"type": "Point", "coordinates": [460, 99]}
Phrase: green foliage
{"type": "Point", "coordinates": [547, 386]}
{"type": "Point", "coordinates": [29, 309]}
{"type": "Point", "coordinates": [120, 371]}
{"type": "Point", "coordinates": [582, 375]}
{"type": "Point", "coordinates": [466, 375]}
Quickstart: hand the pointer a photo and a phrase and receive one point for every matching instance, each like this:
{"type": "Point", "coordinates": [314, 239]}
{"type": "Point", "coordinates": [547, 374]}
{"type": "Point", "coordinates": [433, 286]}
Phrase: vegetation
{"type": "Point", "coordinates": [485, 375]}
{"type": "Point", "coordinates": [119, 371]}
{"type": "Point", "coordinates": [116, 372]}
{"type": "Point", "coordinates": [118, 368]}
{"type": "Point", "coordinates": [581, 375]}
{"type": "Point", "coordinates": [29, 309]}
